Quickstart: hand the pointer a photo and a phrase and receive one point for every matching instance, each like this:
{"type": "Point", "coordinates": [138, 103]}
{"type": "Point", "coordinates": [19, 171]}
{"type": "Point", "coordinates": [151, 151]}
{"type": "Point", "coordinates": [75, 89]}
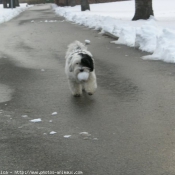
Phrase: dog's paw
{"type": "Point", "coordinates": [90, 93]}
{"type": "Point", "coordinates": [77, 95]}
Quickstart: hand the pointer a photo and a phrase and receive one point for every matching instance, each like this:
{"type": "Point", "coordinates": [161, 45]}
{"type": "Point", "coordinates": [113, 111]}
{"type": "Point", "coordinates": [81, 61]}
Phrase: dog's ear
{"type": "Point", "coordinates": [70, 67]}
{"type": "Point", "coordinates": [87, 61]}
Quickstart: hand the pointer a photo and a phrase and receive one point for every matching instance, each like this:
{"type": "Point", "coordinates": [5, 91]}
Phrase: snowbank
{"type": "Point", "coordinates": [8, 14]}
{"type": "Point", "coordinates": [156, 35]}
{"type": "Point", "coordinates": [165, 47]}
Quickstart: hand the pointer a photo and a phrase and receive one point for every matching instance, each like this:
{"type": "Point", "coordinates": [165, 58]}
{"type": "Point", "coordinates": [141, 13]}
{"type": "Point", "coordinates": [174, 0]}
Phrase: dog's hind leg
{"type": "Point", "coordinates": [75, 88]}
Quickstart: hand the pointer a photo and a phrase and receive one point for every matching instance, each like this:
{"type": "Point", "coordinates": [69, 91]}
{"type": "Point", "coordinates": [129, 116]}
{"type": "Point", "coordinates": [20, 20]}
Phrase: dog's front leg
{"type": "Point", "coordinates": [91, 85]}
{"type": "Point", "coordinates": [75, 88]}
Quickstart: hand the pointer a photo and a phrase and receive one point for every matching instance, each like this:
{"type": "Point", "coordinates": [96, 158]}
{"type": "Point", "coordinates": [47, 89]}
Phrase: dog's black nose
{"type": "Point", "coordinates": [81, 70]}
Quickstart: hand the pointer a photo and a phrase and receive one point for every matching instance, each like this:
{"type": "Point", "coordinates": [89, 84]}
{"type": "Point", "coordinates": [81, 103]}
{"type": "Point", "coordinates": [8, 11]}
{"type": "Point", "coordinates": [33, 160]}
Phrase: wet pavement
{"type": "Point", "coordinates": [126, 128]}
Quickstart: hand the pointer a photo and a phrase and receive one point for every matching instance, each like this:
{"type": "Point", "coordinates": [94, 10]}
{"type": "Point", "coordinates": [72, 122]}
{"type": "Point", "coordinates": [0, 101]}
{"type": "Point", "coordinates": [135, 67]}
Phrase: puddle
{"type": "Point", "coordinates": [5, 93]}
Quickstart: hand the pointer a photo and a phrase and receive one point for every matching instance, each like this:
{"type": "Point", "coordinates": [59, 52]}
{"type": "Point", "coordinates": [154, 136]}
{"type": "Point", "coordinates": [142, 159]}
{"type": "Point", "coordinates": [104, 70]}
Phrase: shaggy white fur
{"type": "Point", "coordinates": [79, 61]}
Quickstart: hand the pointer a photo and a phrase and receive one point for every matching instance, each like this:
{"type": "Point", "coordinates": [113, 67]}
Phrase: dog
{"type": "Point", "coordinates": [80, 69]}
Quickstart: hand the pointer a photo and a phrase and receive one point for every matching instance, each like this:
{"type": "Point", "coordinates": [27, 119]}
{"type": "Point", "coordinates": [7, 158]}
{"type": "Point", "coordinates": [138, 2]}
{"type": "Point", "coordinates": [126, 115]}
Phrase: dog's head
{"type": "Point", "coordinates": [81, 62]}
{"type": "Point", "coordinates": [87, 61]}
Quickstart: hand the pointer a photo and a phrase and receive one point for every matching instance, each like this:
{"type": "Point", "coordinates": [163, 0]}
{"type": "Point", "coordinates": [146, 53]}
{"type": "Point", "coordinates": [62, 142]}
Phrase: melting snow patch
{"type": "Point", "coordinates": [85, 134]}
{"type": "Point", "coordinates": [24, 116]}
{"type": "Point", "coordinates": [54, 113]}
{"type": "Point", "coordinates": [53, 132]}
{"type": "Point", "coordinates": [165, 47]}
{"type": "Point", "coordinates": [67, 136]}
{"type": "Point", "coordinates": [36, 120]}
{"type": "Point", "coordinates": [87, 41]}
{"type": "Point", "coordinates": [7, 14]}
{"type": "Point", "coordinates": [53, 21]}
{"type": "Point", "coordinates": [95, 139]}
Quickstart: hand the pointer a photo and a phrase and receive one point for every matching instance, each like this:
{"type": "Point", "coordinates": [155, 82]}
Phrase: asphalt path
{"type": "Point", "coordinates": [130, 120]}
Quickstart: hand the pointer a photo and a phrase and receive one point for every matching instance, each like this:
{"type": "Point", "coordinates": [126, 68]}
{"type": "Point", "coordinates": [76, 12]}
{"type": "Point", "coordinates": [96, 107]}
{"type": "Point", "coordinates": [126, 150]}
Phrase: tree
{"type": "Point", "coordinates": [17, 3]}
{"type": "Point", "coordinates": [72, 3]}
{"type": "Point", "coordinates": [85, 5]}
{"type": "Point", "coordinates": [5, 4]}
{"type": "Point", "coordinates": [67, 2]}
{"type": "Point", "coordinates": [143, 9]}
{"type": "Point", "coordinates": [12, 4]}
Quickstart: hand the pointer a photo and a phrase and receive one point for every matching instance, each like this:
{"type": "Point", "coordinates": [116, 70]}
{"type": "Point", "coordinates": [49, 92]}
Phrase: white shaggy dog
{"type": "Point", "coordinates": [80, 69]}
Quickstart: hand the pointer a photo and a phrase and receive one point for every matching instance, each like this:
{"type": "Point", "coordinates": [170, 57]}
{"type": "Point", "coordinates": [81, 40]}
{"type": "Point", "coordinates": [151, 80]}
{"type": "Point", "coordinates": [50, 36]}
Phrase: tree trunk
{"type": "Point", "coordinates": [143, 9]}
{"type": "Point", "coordinates": [57, 2]}
{"type": "Point", "coordinates": [17, 3]}
{"type": "Point", "coordinates": [85, 5]}
{"type": "Point", "coordinates": [67, 2]}
{"type": "Point", "coordinates": [72, 3]}
{"type": "Point", "coordinates": [5, 3]}
{"type": "Point", "coordinates": [12, 4]}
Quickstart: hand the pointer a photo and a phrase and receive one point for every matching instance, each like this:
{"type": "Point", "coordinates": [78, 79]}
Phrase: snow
{"type": "Point", "coordinates": [155, 35]}
{"type": "Point", "coordinates": [95, 138]}
{"type": "Point", "coordinates": [46, 21]}
{"type": "Point", "coordinates": [85, 134]}
{"type": "Point", "coordinates": [24, 116]}
{"type": "Point", "coordinates": [83, 76]}
{"type": "Point", "coordinates": [54, 113]}
{"type": "Point", "coordinates": [8, 14]}
{"type": "Point", "coordinates": [52, 132]}
{"type": "Point", "coordinates": [87, 41]}
{"type": "Point", "coordinates": [67, 136]}
{"type": "Point", "coordinates": [36, 120]}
